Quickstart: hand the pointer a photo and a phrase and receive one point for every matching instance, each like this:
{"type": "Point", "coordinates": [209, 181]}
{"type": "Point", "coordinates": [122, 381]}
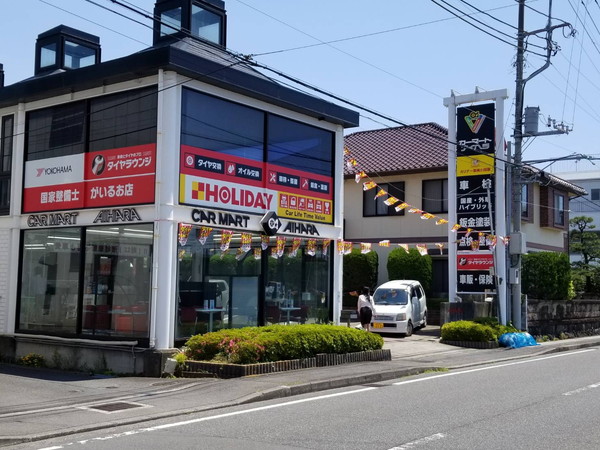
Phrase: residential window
{"type": "Point", "coordinates": [6, 144]}
{"type": "Point", "coordinates": [525, 200]}
{"type": "Point", "coordinates": [376, 206]}
{"type": "Point", "coordinates": [435, 196]}
{"type": "Point", "coordinates": [595, 194]}
{"type": "Point", "coordinates": [559, 209]}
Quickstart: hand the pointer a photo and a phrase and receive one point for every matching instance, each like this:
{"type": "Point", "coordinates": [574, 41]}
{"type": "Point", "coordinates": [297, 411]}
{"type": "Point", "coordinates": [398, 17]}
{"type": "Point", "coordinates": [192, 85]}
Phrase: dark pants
{"type": "Point", "coordinates": [365, 314]}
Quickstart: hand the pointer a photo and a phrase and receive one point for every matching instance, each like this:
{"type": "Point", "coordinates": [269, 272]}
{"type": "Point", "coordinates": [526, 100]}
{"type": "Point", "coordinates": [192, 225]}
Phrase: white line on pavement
{"type": "Point", "coordinates": [204, 419]}
{"type": "Point", "coordinates": [495, 366]}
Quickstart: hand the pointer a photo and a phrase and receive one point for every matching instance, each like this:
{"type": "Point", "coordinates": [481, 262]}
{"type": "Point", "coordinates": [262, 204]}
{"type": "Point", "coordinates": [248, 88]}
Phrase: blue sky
{"type": "Point", "coordinates": [404, 58]}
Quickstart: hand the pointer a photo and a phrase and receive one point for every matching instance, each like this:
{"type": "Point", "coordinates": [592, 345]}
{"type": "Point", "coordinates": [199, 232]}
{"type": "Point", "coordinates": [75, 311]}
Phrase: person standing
{"type": "Point", "coordinates": [365, 308]}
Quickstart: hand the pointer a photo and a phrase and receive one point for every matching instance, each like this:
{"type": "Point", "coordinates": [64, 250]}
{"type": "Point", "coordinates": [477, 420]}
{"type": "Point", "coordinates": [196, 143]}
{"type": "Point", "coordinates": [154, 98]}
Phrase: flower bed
{"type": "Point", "coordinates": [228, 370]}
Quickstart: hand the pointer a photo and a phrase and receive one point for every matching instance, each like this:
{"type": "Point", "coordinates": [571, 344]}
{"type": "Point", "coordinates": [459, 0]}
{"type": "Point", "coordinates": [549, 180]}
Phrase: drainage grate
{"type": "Point", "coordinates": [115, 407]}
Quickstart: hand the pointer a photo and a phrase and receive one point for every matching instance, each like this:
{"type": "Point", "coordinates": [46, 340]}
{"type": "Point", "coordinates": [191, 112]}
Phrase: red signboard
{"type": "Point", "coordinates": [474, 261]}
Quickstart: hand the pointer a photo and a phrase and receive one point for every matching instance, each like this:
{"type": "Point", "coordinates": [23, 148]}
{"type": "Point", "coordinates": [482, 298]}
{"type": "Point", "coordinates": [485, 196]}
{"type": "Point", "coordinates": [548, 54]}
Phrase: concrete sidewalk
{"type": "Point", "coordinates": [37, 404]}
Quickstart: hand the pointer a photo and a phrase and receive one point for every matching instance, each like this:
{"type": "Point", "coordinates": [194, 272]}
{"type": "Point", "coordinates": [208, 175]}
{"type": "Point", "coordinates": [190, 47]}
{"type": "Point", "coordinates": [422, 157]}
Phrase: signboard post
{"type": "Point", "coordinates": [476, 200]}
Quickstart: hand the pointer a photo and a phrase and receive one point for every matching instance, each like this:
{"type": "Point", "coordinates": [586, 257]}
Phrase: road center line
{"type": "Point", "coordinates": [496, 366]}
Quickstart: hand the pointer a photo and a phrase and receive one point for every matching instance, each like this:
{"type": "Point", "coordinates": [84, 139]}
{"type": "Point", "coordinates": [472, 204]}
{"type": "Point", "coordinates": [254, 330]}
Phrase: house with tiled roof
{"type": "Point", "coordinates": [410, 163]}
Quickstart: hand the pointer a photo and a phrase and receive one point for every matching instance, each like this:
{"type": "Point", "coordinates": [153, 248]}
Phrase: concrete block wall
{"type": "Point", "coordinates": [553, 317]}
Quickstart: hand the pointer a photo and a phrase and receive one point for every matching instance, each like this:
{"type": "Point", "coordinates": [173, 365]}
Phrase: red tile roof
{"type": "Point", "coordinates": [407, 148]}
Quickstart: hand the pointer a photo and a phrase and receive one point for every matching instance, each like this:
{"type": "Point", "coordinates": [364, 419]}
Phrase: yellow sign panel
{"type": "Point", "coordinates": [474, 165]}
{"type": "Point", "coordinates": [300, 207]}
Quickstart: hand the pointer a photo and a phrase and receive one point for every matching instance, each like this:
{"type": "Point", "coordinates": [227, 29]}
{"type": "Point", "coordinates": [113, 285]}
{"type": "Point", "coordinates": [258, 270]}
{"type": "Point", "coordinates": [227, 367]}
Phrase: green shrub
{"type": "Point", "coordinates": [466, 330]}
{"type": "Point", "coordinates": [547, 276]}
{"type": "Point", "coordinates": [480, 329]}
{"type": "Point", "coordinates": [410, 266]}
{"type": "Point", "coordinates": [360, 269]}
{"type": "Point", "coordinates": [278, 342]}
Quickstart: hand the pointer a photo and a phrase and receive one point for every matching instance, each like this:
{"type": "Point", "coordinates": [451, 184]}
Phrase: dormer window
{"type": "Point", "coordinates": [65, 48]}
{"type": "Point", "coordinates": [202, 19]}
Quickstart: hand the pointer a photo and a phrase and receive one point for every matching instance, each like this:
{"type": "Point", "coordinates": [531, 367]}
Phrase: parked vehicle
{"type": "Point", "coordinates": [400, 307]}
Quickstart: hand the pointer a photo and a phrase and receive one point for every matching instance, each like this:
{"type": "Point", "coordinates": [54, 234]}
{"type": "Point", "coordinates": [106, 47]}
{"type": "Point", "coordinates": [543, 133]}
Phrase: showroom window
{"type": "Point", "coordinates": [244, 285]}
{"type": "Point", "coordinates": [92, 281]}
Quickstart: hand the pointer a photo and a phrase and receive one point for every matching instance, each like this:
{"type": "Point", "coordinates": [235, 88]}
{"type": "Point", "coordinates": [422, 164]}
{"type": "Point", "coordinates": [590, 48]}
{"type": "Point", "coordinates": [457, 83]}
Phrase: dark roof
{"type": "Point", "coordinates": [412, 148]}
{"type": "Point", "coordinates": [418, 148]}
{"type": "Point", "coordinates": [547, 178]}
{"type": "Point", "coordinates": [197, 60]}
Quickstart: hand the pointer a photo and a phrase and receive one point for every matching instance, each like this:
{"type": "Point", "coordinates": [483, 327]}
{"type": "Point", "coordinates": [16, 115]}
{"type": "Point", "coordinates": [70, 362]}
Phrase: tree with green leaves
{"type": "Point", "coordinates": [583, 240]}
{"type": "Point", "coordinates": [411, 265]}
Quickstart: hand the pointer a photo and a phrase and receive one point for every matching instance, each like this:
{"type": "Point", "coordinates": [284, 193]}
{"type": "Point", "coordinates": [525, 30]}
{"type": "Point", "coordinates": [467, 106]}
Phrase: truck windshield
{"type": "Point", "coordinates": [390, 297]}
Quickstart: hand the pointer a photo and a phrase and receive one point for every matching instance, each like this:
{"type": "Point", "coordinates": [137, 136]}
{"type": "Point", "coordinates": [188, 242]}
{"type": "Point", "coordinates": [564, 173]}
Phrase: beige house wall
{"type": "Point", "coordinates": [359, 228]}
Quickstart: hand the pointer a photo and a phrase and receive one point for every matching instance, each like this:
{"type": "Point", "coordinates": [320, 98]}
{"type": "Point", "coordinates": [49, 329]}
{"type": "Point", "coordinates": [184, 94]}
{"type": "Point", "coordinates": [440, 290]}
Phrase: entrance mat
{"type": "Point", "coordinates": [224, 370]}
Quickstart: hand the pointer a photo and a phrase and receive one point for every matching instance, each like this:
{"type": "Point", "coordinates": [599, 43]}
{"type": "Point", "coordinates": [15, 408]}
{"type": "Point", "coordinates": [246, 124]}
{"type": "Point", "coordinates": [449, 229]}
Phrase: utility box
{"type": "Point", "coordinates": [514, 275]}
{"type": "Point", "coordinates": [517, 244]}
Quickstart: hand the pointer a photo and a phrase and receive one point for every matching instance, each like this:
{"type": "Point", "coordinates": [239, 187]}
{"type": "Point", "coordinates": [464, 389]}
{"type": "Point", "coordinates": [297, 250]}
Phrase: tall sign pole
{"type": "Point", "coordinates": [477, 215]}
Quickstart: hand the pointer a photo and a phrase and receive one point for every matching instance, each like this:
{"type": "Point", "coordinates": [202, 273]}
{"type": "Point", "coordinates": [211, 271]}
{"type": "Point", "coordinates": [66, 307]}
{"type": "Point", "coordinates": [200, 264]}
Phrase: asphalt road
{"type": "Point", "coordinates": [544, 402]}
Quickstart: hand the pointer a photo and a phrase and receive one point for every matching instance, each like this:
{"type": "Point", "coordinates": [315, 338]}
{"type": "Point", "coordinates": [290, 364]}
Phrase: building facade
{"type": "Point", "coordinates": [410, 163]}
{"type": "Point", "coordinates": [171, 192]}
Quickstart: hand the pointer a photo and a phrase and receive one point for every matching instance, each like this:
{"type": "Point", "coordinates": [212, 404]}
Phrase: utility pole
{"type": "Point", "coordinates": [515, 259]}
{"type": "Point", "coordinates": [517, 239]}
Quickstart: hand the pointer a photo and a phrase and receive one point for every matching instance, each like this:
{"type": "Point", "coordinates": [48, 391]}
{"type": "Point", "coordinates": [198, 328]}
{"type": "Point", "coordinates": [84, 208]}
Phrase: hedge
{"type": "Point", "coordinates": [278, 343]}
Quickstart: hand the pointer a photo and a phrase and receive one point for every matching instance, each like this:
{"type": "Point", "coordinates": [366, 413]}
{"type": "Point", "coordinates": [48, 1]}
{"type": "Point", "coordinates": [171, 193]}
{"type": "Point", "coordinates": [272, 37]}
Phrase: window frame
{"type": "Point", "coordinates": [7, 124]}
{"type": "Point", "coordinates": [369, 198]}
{"type": "Point", "coordinates": [526, 202]}
{"type": "Point", "coordinates": [559, 215]}
{"type": "Point", "coordinates": [439, 205]}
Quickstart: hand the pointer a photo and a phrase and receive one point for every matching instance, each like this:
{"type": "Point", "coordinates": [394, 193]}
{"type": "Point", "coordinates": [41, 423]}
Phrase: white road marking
{"type": "Point", "coordinates": [425, 440]}
{"type": "Point", "coordinates": [583, 389]}
{"type": "Point", "coordinates": [204, 419]}
{"type": "Point", "coordinates": [495, 366]}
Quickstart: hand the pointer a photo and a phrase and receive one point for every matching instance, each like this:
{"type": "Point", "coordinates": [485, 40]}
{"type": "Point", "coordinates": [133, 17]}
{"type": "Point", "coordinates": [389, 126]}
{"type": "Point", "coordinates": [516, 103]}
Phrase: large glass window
{"type": "Point", "coordinates": [50, 280]}
{"type": "Point", "coordinates": [299, 146]}
{"type": "Point", "coordinates": [435, 196]}
{"type": "Point", "coordinates": [117, 280]}
{"type": "Point", "coordinates": [170, 21]}
{"type": "Point", "coordinates": [206, 24]}
{"type": "Point", "coordinates": [6, 144]}
{"type": "Point", "coordinates": [56, 131]}
{"type": "Point", "coordinates": [48, 55]}
{"type": "Point", "coordinates": [248, 286]}
{"type": "Point", "coordinates": [213, 124]}
{"type": "Point", "coordinates": [376, 206]}
{"type": "Point", "coordinates": [123, 120]}
{"type": "Point", "coordinates": [100, 289]}
{"type": "Point", "coordinates": [77, 55]}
